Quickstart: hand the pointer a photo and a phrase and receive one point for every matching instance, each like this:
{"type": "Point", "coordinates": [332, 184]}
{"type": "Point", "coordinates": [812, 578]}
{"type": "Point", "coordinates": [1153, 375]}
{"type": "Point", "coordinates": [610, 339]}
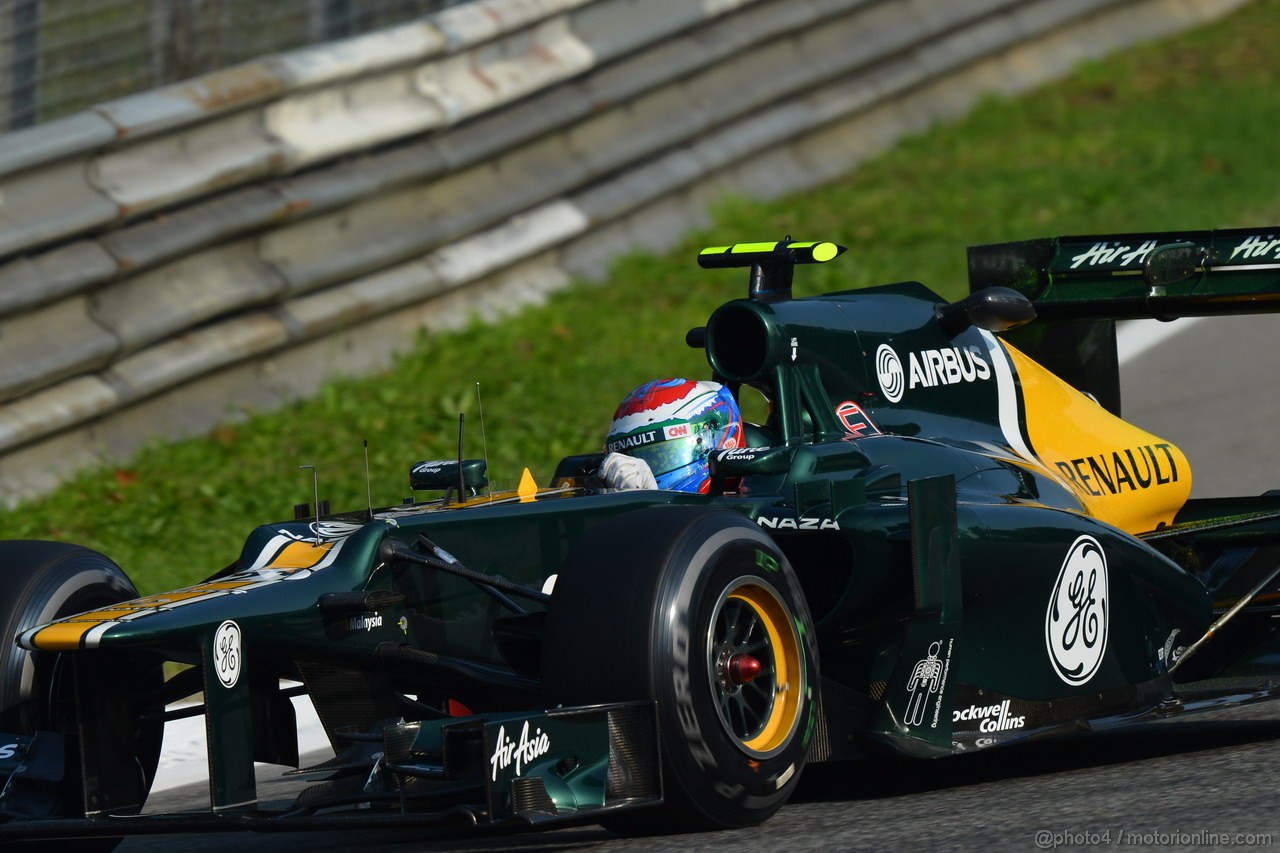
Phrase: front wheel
{"type": "Point", "coordinates": [697, 609]}
{"type": "Point", "coordinates": [44, 581]}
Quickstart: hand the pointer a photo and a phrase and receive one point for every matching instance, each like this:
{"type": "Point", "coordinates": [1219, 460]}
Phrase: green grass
{"type": "Point", "coordinates": [1174, 135]}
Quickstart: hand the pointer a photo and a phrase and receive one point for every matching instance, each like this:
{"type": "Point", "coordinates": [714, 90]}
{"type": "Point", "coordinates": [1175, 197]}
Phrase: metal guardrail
{"type": "Point", "coordinates": [231, 240]}
{"type": "Point", "coordinates": [56, 58]}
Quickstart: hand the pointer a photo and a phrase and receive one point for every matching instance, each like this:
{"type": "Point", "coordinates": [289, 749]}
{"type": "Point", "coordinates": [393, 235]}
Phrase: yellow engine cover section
{"type": "Point", "coordinates": [1123, 475]}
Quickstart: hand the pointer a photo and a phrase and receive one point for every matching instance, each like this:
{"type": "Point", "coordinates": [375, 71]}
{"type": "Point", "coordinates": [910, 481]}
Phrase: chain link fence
{"type": "Point", "coordinates": [60, 56]}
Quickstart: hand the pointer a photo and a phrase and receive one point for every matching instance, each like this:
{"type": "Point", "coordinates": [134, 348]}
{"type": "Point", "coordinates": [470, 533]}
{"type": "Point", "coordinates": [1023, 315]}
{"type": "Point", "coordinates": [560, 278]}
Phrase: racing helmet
{"type": "Point", "coordinates": [674, 425]}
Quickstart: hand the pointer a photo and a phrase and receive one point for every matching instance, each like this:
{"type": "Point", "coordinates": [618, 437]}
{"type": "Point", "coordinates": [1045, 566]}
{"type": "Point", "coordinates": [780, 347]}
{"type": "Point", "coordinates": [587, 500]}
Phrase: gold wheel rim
{"type": "Point", "coordinates": [762, 713]}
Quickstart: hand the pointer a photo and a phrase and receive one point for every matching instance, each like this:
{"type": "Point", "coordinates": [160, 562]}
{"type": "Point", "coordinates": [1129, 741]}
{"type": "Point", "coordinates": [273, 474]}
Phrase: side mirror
{"type": "Point", "coordinates": [995, 309]}
{"type": "Point", "coordinates": [1172, 263]}
{"type": "Point", "coordinates": [447, 474]}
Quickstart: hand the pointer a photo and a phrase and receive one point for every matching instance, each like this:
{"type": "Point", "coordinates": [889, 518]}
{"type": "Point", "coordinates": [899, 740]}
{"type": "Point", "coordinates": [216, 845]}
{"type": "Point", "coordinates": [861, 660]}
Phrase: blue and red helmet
{"type": "Point", "coordinates": [674, 425]}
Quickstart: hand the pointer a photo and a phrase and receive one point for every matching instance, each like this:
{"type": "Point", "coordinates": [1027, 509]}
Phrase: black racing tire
{"type": "Point", "coordinates": [661, 604]}
{"type": "Point", "coordinates": [44, 581]}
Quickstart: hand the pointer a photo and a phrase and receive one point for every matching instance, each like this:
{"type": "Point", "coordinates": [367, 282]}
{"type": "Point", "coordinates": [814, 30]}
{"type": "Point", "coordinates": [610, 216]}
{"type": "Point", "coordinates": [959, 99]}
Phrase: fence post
{"type": "Point", "coordinates": [189, 37]}
{"type": "Point", "coordinates": [331, 19]}
{"type": "Point", "coordinates": [159, 35]}
{"type": "Point", "coordinates": [24, 98]}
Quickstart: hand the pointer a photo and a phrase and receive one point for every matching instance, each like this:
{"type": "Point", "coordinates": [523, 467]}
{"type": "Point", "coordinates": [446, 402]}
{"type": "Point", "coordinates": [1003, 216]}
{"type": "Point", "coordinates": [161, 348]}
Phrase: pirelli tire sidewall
{"type": "Point", "coordinates": [629, 620]}
{"type": "Point", "coordinates": [44, 581]}
{"type": "Point", "coordinates": [732, 785]}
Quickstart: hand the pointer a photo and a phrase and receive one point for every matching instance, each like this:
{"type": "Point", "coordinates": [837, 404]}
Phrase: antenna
{"type": "Point", "coordinates": [315, 489]}
{"type": "Point", "coordinates": [484, 442]}
{"type": "Point", "coordinates": [368, 486]}
{"type": "Point", "coordinates": [462, 481]}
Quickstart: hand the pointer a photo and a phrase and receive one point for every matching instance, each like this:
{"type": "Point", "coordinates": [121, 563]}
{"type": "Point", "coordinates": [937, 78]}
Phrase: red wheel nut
{"type": "Point", "coordinates": [743, 669]}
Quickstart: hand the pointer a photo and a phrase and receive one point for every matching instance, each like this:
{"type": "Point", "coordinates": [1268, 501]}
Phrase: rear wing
{"type": "Point", "coordinates": [1087, 283]}
{"type": "Point", "coordinates": [1124, 276]}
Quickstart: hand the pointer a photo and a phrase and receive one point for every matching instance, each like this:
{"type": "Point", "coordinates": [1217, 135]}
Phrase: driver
{"type": "Point", "coordinates": [664, 431]}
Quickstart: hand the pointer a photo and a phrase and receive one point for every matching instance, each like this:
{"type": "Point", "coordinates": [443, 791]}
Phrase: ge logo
{"type": "Point", "coordinates": [889, 372]}
{"type": "Point", "coordinates": [227, 653]}
{"type": "Point", "coordinates": [1075, 628]}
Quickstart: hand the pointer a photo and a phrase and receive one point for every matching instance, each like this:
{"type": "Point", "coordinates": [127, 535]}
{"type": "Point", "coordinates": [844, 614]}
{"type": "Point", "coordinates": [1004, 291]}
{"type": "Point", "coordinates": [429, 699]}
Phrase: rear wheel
{"type": "Point", "coordinates": [697, 609]}
{"type": "Point", "coordinates": [44, 581]}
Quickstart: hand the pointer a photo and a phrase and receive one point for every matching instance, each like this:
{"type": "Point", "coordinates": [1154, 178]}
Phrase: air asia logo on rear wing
{"type": "Point", "coordinates": [1119, 276]}
{"type": "Point", "coordinates": [1113, 255]}
{"type": "Point", "coordinates": [1253, 247]}
{"type": "Point", "coordinates": [1122, 255]}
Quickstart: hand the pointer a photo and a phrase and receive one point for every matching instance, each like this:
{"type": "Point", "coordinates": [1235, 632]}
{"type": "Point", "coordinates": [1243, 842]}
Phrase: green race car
{"type": "Point", "coordinates": [941, 538]}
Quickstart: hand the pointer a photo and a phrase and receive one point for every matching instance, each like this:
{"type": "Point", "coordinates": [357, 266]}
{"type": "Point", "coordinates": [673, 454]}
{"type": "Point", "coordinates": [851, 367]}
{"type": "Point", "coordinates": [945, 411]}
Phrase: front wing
{"type": "Point", "coordinates": [501, 770]}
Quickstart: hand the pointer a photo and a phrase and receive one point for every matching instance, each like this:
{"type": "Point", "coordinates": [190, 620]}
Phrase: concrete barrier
{"type": "Point", "coordinates": [234, 240]}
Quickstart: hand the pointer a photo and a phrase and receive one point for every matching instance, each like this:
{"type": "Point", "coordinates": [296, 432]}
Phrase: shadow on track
{"type": "Point", "coordinates": [1170, 761]}
{"type": "Point", "coordinates": [880, 778]}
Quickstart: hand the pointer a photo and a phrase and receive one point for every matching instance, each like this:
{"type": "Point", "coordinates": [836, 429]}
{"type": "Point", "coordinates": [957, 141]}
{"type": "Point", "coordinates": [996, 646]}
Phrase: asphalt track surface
{"type": "Point", "coordinates": [1211, 775]}
{"type": "Point", "coordinates": [1190, 784]}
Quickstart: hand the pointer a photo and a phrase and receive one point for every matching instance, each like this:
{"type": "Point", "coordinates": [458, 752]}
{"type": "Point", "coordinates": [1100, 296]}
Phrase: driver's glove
{"type": "Point", "coordinates": [619, 471]}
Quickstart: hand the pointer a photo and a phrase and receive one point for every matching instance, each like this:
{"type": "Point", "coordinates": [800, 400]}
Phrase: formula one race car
{"type": "Point", "coordinates": [938, 541]}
